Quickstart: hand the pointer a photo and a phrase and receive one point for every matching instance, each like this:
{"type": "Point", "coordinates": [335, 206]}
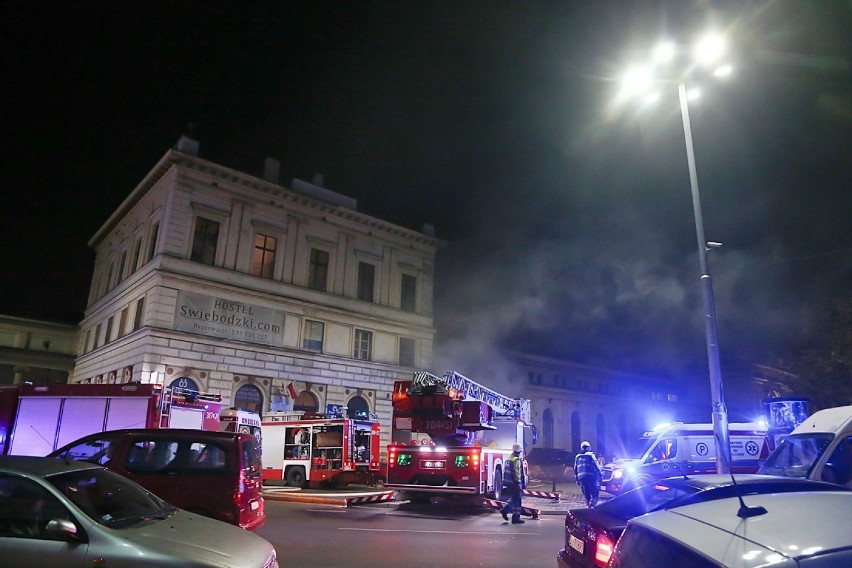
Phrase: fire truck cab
{"type": "Point", "coordinates": [469, 431]}
{"type": "Point", "coordinates": [313, 449]}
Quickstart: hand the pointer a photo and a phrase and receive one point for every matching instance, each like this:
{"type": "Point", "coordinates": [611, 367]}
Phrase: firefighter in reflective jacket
{"type": "Point", "coordinates": [514, 479]}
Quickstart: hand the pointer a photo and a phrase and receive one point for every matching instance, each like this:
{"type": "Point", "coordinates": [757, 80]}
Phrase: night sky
{"type": "Point", "coordinates": [568, 218]}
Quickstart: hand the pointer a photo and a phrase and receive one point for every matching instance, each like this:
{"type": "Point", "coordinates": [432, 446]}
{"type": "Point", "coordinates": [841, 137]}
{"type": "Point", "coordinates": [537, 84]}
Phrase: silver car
{"type": "Point", "coordinates": [62, 513]}
{"type": "Point", "coordinates": [782, 530]}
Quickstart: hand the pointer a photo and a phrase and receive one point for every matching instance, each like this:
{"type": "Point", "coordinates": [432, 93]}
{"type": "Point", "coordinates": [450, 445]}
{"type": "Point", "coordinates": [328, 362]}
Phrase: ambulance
{"type": "Point", "coordinates": [686, 449]}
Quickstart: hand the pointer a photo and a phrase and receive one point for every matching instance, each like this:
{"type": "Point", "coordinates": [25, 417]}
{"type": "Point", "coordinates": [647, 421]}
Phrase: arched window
{"type": "Point", "coordinates": [547, 427]}
{"type": "Point", "coordinates": [306, 401]}
{"type": "Point", "coordinates": [575, 431]}
{"type": "Point", "coordinates": [249, 397]}
{"type": "Point", "coordinates": [601, 433]}
{"type": "Point", "coordinates": [357, 407]}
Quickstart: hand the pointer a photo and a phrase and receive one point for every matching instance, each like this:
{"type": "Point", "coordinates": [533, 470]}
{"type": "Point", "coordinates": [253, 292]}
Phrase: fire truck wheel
{"type": "Point", "coordinates": [498, 484]}
{"type": "Point", "coordinates": [296, 477]}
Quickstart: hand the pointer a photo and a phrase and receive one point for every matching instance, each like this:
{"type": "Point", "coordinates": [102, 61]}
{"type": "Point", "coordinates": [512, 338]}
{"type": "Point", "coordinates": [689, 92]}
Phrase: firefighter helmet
{"type": "Point", "coordinates": [516, 448]}
{"type": "Point", "coordinates": [585, 446]}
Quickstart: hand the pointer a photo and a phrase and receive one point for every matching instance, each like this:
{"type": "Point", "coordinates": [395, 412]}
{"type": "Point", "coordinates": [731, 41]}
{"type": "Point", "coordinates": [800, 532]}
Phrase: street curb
{"type": "Point", "coordinates": [357, 499]}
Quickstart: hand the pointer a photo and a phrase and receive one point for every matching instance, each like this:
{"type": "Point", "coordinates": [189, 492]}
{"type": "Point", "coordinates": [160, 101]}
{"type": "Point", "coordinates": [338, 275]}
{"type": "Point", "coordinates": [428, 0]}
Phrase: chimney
{"type": "Point", "coordinates": [318, 180]}
{"type": "Point", "coordinates": [187, 145]}
{"type": "Point", "coordinates": [271, 168]}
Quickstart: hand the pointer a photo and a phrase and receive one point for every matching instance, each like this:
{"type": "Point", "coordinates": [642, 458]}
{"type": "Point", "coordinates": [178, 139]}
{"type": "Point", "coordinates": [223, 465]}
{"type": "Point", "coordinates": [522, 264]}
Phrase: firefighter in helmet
{"type": "Point", "coordinates": [514, 480]}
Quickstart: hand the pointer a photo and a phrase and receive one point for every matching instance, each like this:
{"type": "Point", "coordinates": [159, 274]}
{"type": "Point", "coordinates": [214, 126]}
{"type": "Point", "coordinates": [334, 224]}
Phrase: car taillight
{"type": "Point", "coordinates": [603, 549]}
{"type": "Point", "coordinates": [241, 487]}
{"type": "Point", "coordinates": [392, 458]}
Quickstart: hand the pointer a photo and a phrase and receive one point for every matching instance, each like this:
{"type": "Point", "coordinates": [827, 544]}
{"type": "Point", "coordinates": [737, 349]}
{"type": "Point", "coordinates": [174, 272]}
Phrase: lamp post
{"type": "Point", "coordinates": [707, 53]}
{"type": "Point", "coordinates": [717, 397]}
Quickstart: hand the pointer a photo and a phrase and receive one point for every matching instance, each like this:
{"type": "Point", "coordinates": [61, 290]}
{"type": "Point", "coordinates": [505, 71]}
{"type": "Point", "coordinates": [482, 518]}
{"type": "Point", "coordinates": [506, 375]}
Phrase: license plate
{"type": "Point", "coordinates": [576, 543]}
{"type": "Point", "coordinates": [254, 505]}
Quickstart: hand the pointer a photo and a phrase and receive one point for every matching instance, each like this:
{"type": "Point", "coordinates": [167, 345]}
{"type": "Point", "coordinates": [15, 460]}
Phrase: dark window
{"type": "Point", "coordinates": [205, 241]}
{"type": "Point", "coordinates": [110, 272]}
{"type": "Point", "coordinates": [134, 260]}
{"type": "Point", "coordinates": [406, 351]}
{"type": "Point", "coordinates": [263, 256]}
{"type": "Point", "coordinates": [152, 244]}
{"type": "Point", "coordinates": [140, 311]}
{"type": "Point", "coordinates": [363, 344]}
{"type": "Point", "coordinates": [357, 407]}
{"type": "Point", "coordinates": [108, 336]}
{"type": "Point", "coordinates": [408, 293]}
{"type": "Point", "coordinates": [97, 336]}
{"type": "Point", "coordinates": [318, 270]}
{"type": "Point", "coordinates": [122, 323]}
{"type": "Point", "coordinates": [313, 335]}
{"type": "Point", "coordinates": [366, 281]}
{"type": "Point", "coordinates": [123, 271]}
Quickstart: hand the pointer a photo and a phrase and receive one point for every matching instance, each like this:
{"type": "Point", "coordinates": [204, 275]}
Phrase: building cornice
{"type": "Point", "coordinates": [175, 158]}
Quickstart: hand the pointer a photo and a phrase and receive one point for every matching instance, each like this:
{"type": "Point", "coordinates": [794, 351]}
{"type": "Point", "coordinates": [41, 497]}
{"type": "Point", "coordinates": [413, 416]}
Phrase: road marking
{"type": "Point", "coordinates": [431, 532]}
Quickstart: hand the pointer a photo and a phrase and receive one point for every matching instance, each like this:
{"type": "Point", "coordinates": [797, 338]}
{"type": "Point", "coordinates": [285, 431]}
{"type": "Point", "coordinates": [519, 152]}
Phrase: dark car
{"type": "Point", "coordinates": [591, 534]}
{"type": "Point", "coordinates": [215, 474]}
{"type": "Point", "coordinates": [549, 464]}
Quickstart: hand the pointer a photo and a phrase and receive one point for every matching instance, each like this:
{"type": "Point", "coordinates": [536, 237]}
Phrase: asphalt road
{"type": "Point", "coordinates": [405, 535]}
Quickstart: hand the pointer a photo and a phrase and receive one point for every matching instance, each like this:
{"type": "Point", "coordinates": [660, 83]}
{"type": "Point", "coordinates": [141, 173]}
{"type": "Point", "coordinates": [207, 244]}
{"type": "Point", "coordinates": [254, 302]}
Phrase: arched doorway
{"type": "Point", "coordinates": [601, 436]}
{"type": "Point", "coordinates": [306, 401]}
{"type": "Point", "coordinates": [249, 397]}
{"type": "Point", "coordinates": [575, 431]}
{"type": "Point", "coordinates": [357, 407]}
{"type": "Point", "coordinates": [547, 428]}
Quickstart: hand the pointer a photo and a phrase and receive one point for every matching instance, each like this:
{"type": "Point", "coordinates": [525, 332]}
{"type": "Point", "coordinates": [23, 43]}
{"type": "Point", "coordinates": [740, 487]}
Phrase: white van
{"type": "Point", "coordinates": [686, 449]}
{"type": "Point", "coordinates": [820, 448]}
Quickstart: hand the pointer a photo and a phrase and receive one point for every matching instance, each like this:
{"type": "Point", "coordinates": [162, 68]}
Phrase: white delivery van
{"type": "Point", "coordinates": [820, 448]}
{"type": "Point", "coordinates": [686, 449]}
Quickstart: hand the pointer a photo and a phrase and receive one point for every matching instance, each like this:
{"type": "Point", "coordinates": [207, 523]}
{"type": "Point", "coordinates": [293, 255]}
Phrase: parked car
{"type": "Point", "coordinates": [549, 464]}
{"type": "Point", "coordinates": [62, 513]}
{"type": "Point", "coordinates": [591, 534]}
{"type": "Point", "coordinates": [216, 474]}
{"type": "Point", "coordinates": [819, 448]}
{"type": "Point", "coordinates": [782, 530]}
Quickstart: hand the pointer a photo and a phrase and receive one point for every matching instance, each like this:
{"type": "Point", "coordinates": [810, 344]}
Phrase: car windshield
{"type": "Point", "coordinates": [796, 455]}
{"type": "Point", "coordinates": [110, 499]}
{"type": "Point", "coordinates": [643, 500]}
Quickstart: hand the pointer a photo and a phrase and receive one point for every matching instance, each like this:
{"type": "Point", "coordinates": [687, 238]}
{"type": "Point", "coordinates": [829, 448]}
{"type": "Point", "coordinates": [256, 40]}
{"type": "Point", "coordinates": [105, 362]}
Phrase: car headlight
{"type": "Point", "coordinates": [617, 473]}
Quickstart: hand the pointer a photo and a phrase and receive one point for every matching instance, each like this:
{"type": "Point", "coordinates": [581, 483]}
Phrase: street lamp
{"type": "Point", "coordinates": [639, 80]}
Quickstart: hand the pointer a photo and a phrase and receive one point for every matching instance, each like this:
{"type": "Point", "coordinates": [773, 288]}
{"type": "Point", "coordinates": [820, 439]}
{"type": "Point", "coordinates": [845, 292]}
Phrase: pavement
{"type": "Point", "coordinates": [569, 496]}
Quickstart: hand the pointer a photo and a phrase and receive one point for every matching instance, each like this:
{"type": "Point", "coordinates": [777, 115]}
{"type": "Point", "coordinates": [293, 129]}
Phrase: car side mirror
{"type": "Point", "coordinates": [63, 528]}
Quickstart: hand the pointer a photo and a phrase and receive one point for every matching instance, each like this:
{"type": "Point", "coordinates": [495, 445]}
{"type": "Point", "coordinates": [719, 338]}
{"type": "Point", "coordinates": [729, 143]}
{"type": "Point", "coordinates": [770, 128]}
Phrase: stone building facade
{"type": "Point", "coordinates": [36, 351]}
{"type": "Point", "coordinates": [277, 298]}
{"type": "Point", "coordinates": [572, 402]}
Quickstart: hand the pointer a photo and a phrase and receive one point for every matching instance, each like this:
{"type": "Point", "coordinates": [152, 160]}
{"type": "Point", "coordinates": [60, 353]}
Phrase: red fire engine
{"type": "Point", "coordinates": [471, 430]}
{"type": "Point", "coordinates": [320, 449]}
{"type": "Point", "coordinates": [37, 419]}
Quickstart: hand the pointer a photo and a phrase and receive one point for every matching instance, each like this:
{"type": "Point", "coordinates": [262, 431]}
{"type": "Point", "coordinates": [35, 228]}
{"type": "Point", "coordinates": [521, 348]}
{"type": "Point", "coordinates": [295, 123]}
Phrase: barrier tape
{"type": "Point", "coordinates": [543, 494]}
{"type": "Point", "coordinates": [370, 499]}
{"type": "Point", "coordinates": [524, 510]}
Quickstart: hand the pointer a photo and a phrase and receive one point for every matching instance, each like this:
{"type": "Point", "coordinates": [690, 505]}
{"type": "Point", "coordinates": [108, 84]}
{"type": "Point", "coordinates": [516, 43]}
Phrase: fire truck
{"type": "Point", "coordinates": [317, 449]}
{"type": "Point", "coordinates": [470, 431]}
{"type": "Point", "coordinates": [37, 419]}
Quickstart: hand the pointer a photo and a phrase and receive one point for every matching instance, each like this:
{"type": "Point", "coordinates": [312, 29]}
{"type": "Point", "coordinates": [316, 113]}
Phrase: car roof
{"type": "Point", "coordinates": [795, 525]}
{"type": "Point", "coordinates": [711, 480]}
{"type": "Point", "coordinates": [829, 420]}
{"type": "Point", "coordinates": [42, 466]}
